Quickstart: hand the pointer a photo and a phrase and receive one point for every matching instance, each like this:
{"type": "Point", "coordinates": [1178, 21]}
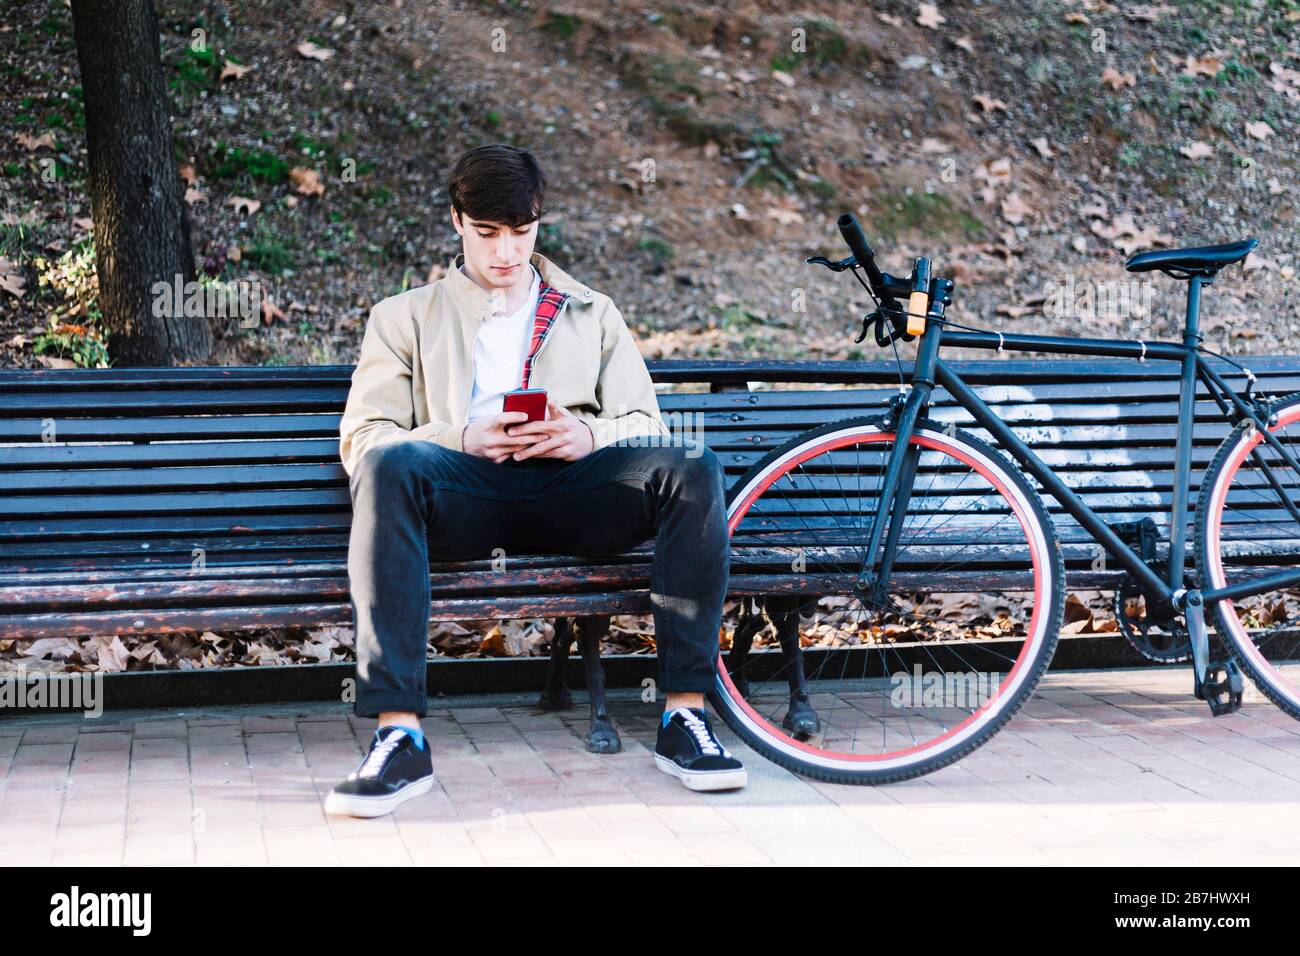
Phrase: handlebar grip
{"type": "Point", "coordinates": [857, 243]}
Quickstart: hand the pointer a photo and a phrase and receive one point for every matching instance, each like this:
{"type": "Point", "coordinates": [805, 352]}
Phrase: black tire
{"type": "Point", "coordinates": [1007, 705]}
{"type": "Point", "coordinates": [1288, 410]}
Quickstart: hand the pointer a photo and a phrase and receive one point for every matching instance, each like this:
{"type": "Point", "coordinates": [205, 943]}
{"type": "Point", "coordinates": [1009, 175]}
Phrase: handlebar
{"type": "Point", "coordinates": [862, 253]}
{"type": "Point", "coordinates": [926, 295]}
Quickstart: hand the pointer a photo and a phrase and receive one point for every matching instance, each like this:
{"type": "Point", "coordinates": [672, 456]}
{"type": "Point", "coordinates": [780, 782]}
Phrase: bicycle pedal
{"type": "Point", "coordinates": [1223, 694]}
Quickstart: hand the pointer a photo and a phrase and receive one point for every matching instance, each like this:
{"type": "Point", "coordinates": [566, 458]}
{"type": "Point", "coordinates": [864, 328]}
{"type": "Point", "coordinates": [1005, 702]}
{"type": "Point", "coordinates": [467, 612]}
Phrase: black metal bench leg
{"type": "Point", "coordinates": [741, 641]}
{"type": "Point", "coordinates": [555, 695]}
{"type": "Point", "coordinates": [800, 719]}
{"type": "Point", "coordinates": [602, 738]}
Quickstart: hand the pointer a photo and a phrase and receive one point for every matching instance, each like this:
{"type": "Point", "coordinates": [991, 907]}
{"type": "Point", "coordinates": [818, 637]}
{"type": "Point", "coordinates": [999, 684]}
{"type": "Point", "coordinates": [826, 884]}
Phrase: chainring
{"type": "Point", "coordinates": [1164, 640]}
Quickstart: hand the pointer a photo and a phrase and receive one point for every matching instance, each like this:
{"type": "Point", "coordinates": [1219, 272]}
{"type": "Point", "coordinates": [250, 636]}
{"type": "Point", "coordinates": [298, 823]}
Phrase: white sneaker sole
{"type": "Point", "coordinates": [354, 806]}
{"type": "Point", "coordinates": [703, 779]}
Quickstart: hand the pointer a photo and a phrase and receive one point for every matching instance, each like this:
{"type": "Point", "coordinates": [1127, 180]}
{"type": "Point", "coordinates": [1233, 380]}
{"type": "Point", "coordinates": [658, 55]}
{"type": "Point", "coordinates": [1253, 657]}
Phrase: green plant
{"type": "Point", "coordinates": [561, 25]}
{"type": "Point", "coordinates": [82, 343]}
{"type": "Point", "coordinates": [21, 241]}
{"type": "Point", "coordinates": [551, 240]}
{"type": "Point", "coordinates": [73, 277]}
{"type": "Point", "coordinates": [766, 170]}
{"type": "Point", "coordinates": [195, 70]}
{"type": "Point", "coordinates": [269, 251]}
{"type": "Point", "coordinates": [930, 214]}
{"type": "Point", "coordinates": [232, 162]}
{"type": "Point", "coordinates": [660, 250]}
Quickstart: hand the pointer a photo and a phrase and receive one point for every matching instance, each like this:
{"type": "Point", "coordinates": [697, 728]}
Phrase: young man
{"type": "Point", "coordinates": [438, 470]}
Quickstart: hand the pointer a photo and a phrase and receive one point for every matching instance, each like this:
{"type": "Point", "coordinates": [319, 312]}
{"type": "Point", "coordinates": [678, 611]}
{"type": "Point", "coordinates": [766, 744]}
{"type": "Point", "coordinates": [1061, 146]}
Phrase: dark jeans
{"type": "Point", "coordinates": [416, 500]}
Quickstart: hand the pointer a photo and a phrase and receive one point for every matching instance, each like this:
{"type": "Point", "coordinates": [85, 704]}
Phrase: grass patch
{"type": "Point", "coordinates": [929, 214]}
{"type": "Point", "coordinates": [233, 162]}
{"type": "Point", "coordinates": [562, 26]}
{"type": "Point", "coordinates": [660, 249]}
{"type": "Point", "coordinates": [269, 251]}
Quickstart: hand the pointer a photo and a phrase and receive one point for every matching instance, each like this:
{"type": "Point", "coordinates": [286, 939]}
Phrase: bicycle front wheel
{"type": "Point", "coordinates": [888, 683]}
{"type": "Point", "coordinates": [1248, 526]}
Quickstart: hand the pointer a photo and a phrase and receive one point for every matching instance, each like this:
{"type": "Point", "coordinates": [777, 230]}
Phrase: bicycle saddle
{"type": "Point", "coordinates": [1201, 260]}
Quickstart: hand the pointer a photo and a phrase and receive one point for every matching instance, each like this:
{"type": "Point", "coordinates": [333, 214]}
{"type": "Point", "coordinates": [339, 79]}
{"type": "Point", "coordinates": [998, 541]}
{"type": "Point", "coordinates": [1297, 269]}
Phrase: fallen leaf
{"type": "Point", "coordinates": [84, 224]}
{"type": "Point", "coordinates": [233, 71]}
{"type": "Point", "coordinates": [1148, 12]}
{"type": "Point", "coordinates": [11, 279]}
{"type": "Point", "coordinates": [785, 212]}
{"type": "Point", "coordinates": [52, 647]}
{"type": "Point", "coordinates": [313, 52]}
{"type": "Point", "coordinates": [51, 361]}
{"type": "Point", "coordinates": [1096, 208]}
{"type": "Point", "coordinates": [929, 16]}
{"type": "Point", "coordinates": [988, 104]}
{"type": "Point", "coordinates": [740, 212]}
{"type": "Point", "coordinates": [1115, 79]}
{"type": "Point", "coordinates": [1125, 235]}
{"type": "Point", "coordinates": [270, 311]}
{"type": "Point", "coordinates": [244, 206]}
{"type": "Point", "coordinates": [1079, 244]}
{"type": "Point", "coordinates": [995, 173]}
{"type": "Point", "coordinates": [1076, 17]}
{"type": "Point", "coordinates": [1275, 187]}
{"type": "Point", "coordinates": [1197, 150]}
{"type": "Point", "coordinates": [1015, 209]}
{"type": "Point", "coordinates": [194, 194]}
{"type": "Point", "coordinates": [32, 143]}
{"type": "Point", "coordinates": [1208, 65]}
{"type": "Point", "coordinates": [931, 145]}
{"type": "Point", "coordinates": [1016, 311]}
{"type": "Point", "coordinates": [1285, 80]}
{"type": "Point", "coordinates": [1043, 146]}
{"type": "Point", "coordinates": [965, 43]}
{"type": "Point", "coordinates": [306, 181]}
{"type": "Point", "coordinates": [112, 653]}
{"type": "Point", "coordinates": [188, 173]}
{"type": "Point", "coordinates": [782, 77]}
{"type": "Point", "coordinates": [1259, 130]}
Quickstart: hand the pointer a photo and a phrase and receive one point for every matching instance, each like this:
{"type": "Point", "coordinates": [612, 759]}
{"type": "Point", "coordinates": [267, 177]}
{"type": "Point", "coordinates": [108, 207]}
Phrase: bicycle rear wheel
{"type": "Point", "coordinates": [969, 621]}
{"type": "Point", "coordinates": [1247, 526]}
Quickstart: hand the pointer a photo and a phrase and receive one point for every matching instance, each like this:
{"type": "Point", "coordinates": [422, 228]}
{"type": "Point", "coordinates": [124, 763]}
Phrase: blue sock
{"type": "Point", "coordinates": [417, 734]}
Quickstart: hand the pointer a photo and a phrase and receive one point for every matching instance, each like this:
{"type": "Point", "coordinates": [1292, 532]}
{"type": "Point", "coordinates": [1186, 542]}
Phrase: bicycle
{"type": "Point", "coordinates": [934, 507]}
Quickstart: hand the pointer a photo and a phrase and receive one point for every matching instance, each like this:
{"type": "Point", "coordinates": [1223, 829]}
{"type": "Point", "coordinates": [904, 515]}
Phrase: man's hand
{"type": "Point", "coordinates": [487, 437]}
{"type": "Point", "coordinates": [562, 435]}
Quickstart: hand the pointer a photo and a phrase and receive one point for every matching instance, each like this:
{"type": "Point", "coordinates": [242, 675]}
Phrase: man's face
{"type": "Point", "coordinates": [494, 251]}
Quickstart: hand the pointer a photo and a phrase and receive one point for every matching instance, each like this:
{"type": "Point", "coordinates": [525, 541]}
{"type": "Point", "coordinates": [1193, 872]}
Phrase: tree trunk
{"type": "Point", "coordinates": [141, 231]}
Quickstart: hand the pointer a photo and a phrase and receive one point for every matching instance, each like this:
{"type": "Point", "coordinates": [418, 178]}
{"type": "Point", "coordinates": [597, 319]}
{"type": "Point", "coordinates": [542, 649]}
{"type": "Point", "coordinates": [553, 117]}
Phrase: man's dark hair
{"type": "Point", "coordinates": [498, 183]}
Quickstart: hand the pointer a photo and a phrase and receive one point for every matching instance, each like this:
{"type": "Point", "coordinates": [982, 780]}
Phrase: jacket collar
{"type": "Point", "coordinates": [474, 299]}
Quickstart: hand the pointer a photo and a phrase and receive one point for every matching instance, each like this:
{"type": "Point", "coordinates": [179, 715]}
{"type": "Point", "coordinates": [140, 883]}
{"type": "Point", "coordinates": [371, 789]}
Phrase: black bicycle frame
{"type": "Point", "coordinates": [930, 370]}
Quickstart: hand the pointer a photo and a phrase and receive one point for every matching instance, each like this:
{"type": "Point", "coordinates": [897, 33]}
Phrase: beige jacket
{"type": "Point", "coordinates": [415, 372]}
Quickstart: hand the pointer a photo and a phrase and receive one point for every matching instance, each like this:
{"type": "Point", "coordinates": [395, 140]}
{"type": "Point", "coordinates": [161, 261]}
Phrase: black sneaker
{"type": "Point", "coordinates": [394, 771]}
{"type": "Point", "coordinates": [689, 751]}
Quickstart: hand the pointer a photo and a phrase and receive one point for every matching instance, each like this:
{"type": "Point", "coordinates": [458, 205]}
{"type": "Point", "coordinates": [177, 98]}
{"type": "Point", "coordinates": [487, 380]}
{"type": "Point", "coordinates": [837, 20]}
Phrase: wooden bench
{"type": "Point", "coordinates": [165, 500]}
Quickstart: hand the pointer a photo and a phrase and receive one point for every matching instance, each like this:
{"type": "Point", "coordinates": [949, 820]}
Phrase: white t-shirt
{"type": "Point", "coordinates": [499, 353]}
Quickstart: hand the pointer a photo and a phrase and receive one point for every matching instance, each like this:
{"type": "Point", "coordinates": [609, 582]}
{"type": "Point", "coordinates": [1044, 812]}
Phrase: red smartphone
{"type": "Point", "coordinates": [529, 400]}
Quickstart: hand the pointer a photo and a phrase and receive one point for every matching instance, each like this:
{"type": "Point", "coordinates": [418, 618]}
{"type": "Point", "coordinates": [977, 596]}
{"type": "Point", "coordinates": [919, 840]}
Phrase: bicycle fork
{"type": "Point", "coordinates": [900, 473]}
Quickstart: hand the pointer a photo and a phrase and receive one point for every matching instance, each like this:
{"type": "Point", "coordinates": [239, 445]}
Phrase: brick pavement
{"type": "Point", "coordinates": [1114, 767]}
